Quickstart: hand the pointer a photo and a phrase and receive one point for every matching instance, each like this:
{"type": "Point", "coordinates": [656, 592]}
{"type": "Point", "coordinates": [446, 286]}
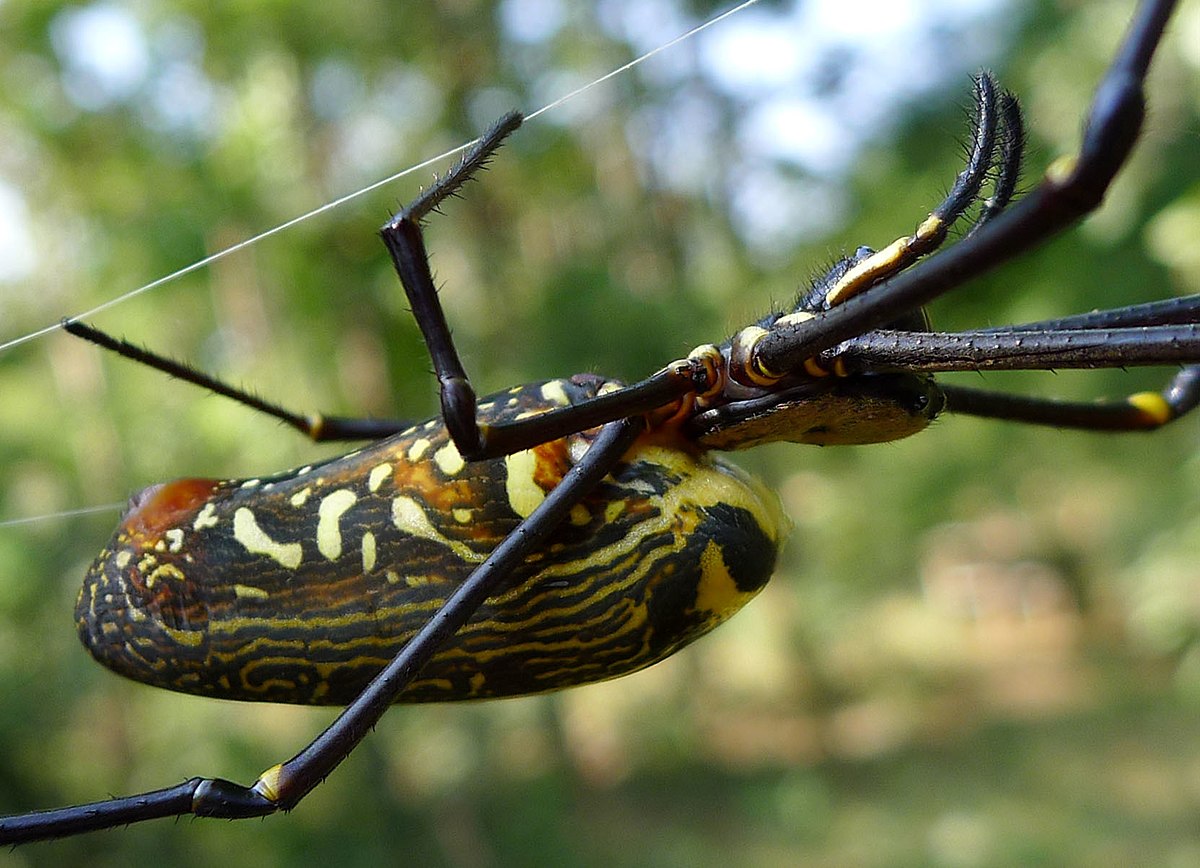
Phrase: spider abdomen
{"type": "Point", "coordinates": [301, 587]}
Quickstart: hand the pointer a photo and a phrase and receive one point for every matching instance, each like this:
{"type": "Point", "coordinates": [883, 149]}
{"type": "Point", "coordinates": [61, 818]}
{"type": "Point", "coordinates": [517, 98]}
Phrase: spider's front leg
{"type": "Point", "coordinates": [1070, 190]}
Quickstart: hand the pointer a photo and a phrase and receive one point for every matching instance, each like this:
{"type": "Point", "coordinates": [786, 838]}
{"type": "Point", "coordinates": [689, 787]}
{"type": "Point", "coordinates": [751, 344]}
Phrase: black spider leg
{"type": "Point", "coordinates": [1011, 135]}
{"type": "Point", "coordinates": [1142, 411]}
{"type": "Point", "coordinates": [1160, 332]}
{"type": "Point", "coordinates": [401, 234]}
{"type": "Point", "coordinates": [997, 126]}
{"type": "Point", "coordinates": [1069, 191]}
{"type": "Point", "coordinates": [1181, 311]}
{"type": "Point", "coordinates": [318, 426]}
{"type": "Point", "coordinates": [283, 786]}
{"type": "Point", "coordinates": [1019, 349]}
{"type": "Point", "coordinates": [405, 242]}
{"type": "Point", "coordinates": [989, 125]}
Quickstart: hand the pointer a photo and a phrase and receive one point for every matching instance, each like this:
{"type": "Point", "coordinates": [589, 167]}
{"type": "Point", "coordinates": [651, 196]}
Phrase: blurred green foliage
{"type": "Point", "coordinates": [981, 647]}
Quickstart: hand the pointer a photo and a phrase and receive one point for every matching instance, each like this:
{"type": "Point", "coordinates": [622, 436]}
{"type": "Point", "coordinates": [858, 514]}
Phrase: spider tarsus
{"type": "Point", "coordinates": [449, 184]}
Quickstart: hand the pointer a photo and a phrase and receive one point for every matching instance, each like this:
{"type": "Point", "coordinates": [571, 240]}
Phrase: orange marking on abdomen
{"type": "Point", "coordinates": [156, 509]}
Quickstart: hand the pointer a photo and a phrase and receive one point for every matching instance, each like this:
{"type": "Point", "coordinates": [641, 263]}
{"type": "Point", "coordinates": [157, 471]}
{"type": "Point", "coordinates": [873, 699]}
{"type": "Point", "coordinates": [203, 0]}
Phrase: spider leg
{"type": "Point", "coordinates": [1167, 311]}
{"type": "Point", "coordinates": [1017, 350]}
{"type": "Point", "coordinates": [659, 389]}
{"type": "Point", "coordinates": [1156, 332]}
{"type": "Point", "coordinates": [907, 249]}
{"type": "Point", "coordinates": [1008, 166]}
{"type": "Point", "coordinates": [317, 426]}
{"type": "Point", "coordinates": [283, 786]}
{"type": "Point", "coordinates": [1145, 334]}
{"type": "Point", "coordinates": [1144, 411]}
{"type": "Point", "coordinates": [405, 242]}
{"type": "Point", "coordinates": [1069, 191]}
{"type": "Point", "coordinates": [403, 237]}
{"type": "Point", "coordinates": [662, 389]}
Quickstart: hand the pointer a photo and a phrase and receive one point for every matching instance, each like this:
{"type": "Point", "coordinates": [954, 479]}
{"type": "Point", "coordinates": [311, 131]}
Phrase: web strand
{"type": "Point", "coordinates": [66, 513]}
{"type": "Point", "coordinates": [329, 206]}
{"type": "Point", "coordinates": [375, 185]}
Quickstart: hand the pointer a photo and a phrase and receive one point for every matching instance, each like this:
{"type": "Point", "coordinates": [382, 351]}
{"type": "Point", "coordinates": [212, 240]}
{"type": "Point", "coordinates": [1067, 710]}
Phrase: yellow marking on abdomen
{"type": "Point", "coordinates": [554, 392]}
{"type": "Point", "coordinates": [368, 552]}
{"type": "Point", "coordinates": [329, 516]}
{"type": "Point", "coordinates": [408, 516]}
{"type": "Point", "coordinates": [448, 459]}
{"type": "Point", "coordinates": [206, 518]}
{"type": "Point", "coordinates": [379, 473]}
{"type": "Point", "coordinates": [524, 495]}
{"type": "Point", "coordinates": [166, 571]}
{"type": "Point", "coordinates": [717, 592]}
{"type": "Point", "coordinates": [255, 540]}
{"type": "Point", "coordinates": [417, 451]}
